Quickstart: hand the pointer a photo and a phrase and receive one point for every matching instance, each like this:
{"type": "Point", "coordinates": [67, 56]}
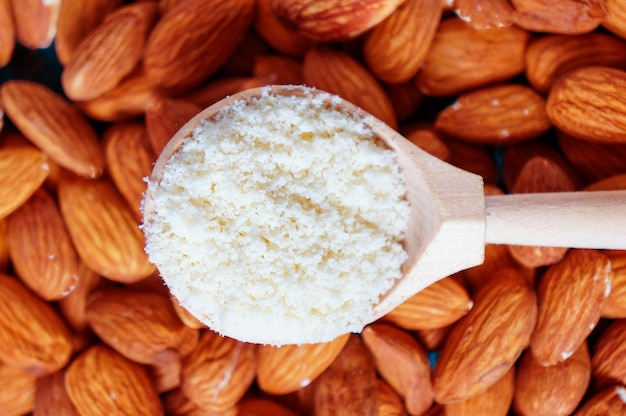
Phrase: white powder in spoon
{"type": "Point", "coordinates": [280, 221]}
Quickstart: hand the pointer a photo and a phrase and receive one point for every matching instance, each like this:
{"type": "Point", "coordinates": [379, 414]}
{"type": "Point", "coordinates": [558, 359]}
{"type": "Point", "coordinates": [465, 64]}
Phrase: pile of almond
{"type": "Point", "coordinates": [529, 94]}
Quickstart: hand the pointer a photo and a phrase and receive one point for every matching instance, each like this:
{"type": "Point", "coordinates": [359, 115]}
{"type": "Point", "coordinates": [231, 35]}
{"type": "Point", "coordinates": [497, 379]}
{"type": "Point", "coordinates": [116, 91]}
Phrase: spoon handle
{"type": "Point", "coordinates": [565, 219]}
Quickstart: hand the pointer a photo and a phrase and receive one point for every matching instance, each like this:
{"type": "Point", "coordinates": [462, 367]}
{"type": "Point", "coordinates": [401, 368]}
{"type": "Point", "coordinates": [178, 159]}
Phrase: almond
{"type": "Point", "coordinates": [348, 386]}
{"type": "Point", "coordinates": [262, 407]}
{"type": "Point", "coordinates": [333, 20]}
{"type": "Point", "coordinates": [73, 306]}
{"type": "Point", "coordinates": [570, 296]}
{"type": "Point", "coordinates": [462, 58]}
{"type": "Point", "coordinates": [433, 339]}
{"type": "Point", "coordinates": [549, 57]}
{"type": "Point", "coordinates": [188, 44]}
{"type": "Point", "coordinates": [280, 36]}
{"type": "Point", "coordinates": [55, 126]}
{"type": "Point", "coordinates": [612, 183]}
{"type": "Point", "coordinates": [103, 229]}
{"type": "Point", "coordinates": [608, 361]}
{"type": "Point", "coordinates": [496, 257]}
{"type": "Point", "coordinates": [41, 250]}
{"type": "Point", "coordinates": [32, 335]}
{"type": "Point", "coordinates": [77, 19]}
{"type": "Point", "coordinates": [567, 17]}
{"type": "Point", "coordinates": [129, 159]}
{"type": "Point", "coordinates": [7, 33]}
{"type": "Point", "coordinates": [405, 98]}
{"type": "Point", "coordinates": [185, 316]}
{"type": "Point", "coordinates": [438, 305]}
{"type": "Point", "coordinates": [473, 158]}
{"type": "Point", "coordinates": [23, 170]}
{"type": "Point", "coordinates": [590, 90]}
{"type": "Point", "coordinates": [108, 53]}
{"type": "Point", "coordinates": [485, 344]}
{"type": "Point", "coordinates": [594, 161]}
{"type": "Point", "coordinates": [427, 138]}
{"type": "Point", "coordinates": [484, 14]}
{"type": "Point", "coordinates": [495, 400]}
{"type": "Point", "coordinates": [101, 382]}
{"type": "Point", "coordinates": [35, 22]}
{"type": "Point", "coordinates": [616, 11]}
{"type": "Point", "coordinates": [216, 89]}
{"type": "Point", "coordinates": [339, 73]}
{"type": "Point", "coordinates": [277, 69]}
{"type": "Point", "coordinates": [615, 304]}
{"type": "Point", "coordinates": [285, 369]}
{"type": "Point", "coordinates": [163, 118]}
{"type": "Point", "coordinates": [496, 115]}
{"type": "Point", "coordinates": [389, 402]}
{"type": "Point", "coordinates": [402, 362]}
{"type": "Point", "coordinates": [610, 402]}
{"type": "Point", "coordinates": [4, 246]}
{"type": "Point", "coordinates": [140, 325]}
{"type": "Point", "coordinates": [216, 375]}
{"type": "Point", "coordinates": [554, 390]}
{"type": "Point", "coordinates": [396, 48]}
{"type": "Point", "coordinates": [51, 397]}
{"type": "Point", "coordinates": [18, 391]}
{"type": "Point", "coordinates": [165, 369]}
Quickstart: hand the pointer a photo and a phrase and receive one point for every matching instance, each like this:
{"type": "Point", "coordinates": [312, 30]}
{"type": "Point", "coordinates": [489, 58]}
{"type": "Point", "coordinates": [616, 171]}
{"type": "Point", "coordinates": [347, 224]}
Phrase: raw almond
{"type": "Point", "coordinates": [185, 316]}
{"type": "Point", "coordinates": [41, 250]}
{"type": "Point", "coordinates": [608, 361]}
{"type": "Point", "coordinates": [570, 296]}
{"type": "Point", "coordinates": [51, 398]}
{"type": "Point", "coordinates": [165, 368]}
{"type": "Point", "coordinates": [594, 161]}
{"type": "Point", "coordinates": [462, 58]}
{"type": "Point", "coordinates": [389, 402]}
{"type": "Point", "coordinates": [73, 306]}
{"type": "Point", "coordinates": [262, 407]}
{"type": "Point", "coordinates": [495, 401]}
{"type": "Point", "coordinates": [140, 325]}
{"type": "Point", "coordinates": [23, 170]}
{"type": "Point", "coordinates": [549, 57]}
{"type": "Point", "coordinates": [433, 339]}
{"type": "Point", "coordinates": [484, 14]}
{"type": "Point", "coordinates": [496, 115]}
{"type": "Point", "coordinates": [615, 21]}
{"type": "Point", "coordinates": [55, 126]}
{"type": "Point", "coordinates": [612, 183]}
{"type": "Point", "coordinates": [77, 19]}
{"type": "Point", "coordinates": [164, 117]}
{"type": "Point", "coordinates": [567, 17]}
{"type": "Point", "coordinates": [615, 304]}
{"type": "Point", "coordinates": [333, 20]}
{"type": "Point", "coordinates": [35, 22]}
{"type": "Point", "coordinates": [438, 305]}
{"type": "Point", "coordinates": [7, 33]}
{"type": "Point", "coordinates": [609, 402]}
{"type": "Point", "coordinates": [218, 88]}
{"type": "Point", "coordinates": [188, 44]}
{"type": "Point", "coordinates": [32, 335]}
{"type": "Point", "coordinates": [594, 91]}
{"type": "Point", "coordinates": [484, 345]}
{"type": "Point", "coordinates": [402, 362]}
{"type": "Point", "coordinates": [280, 36]}
{"type": "Point", "coordinates": [427, 138]}
{"type": "Point", "coordinates": [396, 48]}
{"type": "Point", "coordinates": [101, 382]}
{"type": "Point", "coordinates": [555, 390]}
{"type": "Point", "coordinates": [339, 73]}
{"type": "Point", "coordinates": [473, 158]}
{"type": "Point", "coordinates": [129, 159]}
{"type": "Point", "coordinates": [109, 53]}
{"type": "Point", "coordinates": [348, 386]}
{"type": "Point", "coordinates": [4, 246]}
{"type": "Point", "coordinates": [285, 369]}
{"type": "Point", "coordinates": [18, 391]}
{"type": "Point", "coordinates": [496, 257]}
{"type": "Point", "coordinates": [405, 98]}
{"type": "Point", "coordinates": [277, 69]}
{"type": "Point", "coordinates": [104, 229]}
{"type": "Point", "coordinates": [216, 375]}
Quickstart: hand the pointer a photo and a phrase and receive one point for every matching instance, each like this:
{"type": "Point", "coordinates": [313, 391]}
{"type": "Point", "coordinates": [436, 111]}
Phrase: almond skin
{"type": "Point", "coordinates": [101, 382]}
{"type": "Point", "coordinates": [396, 48]}
{"type": "Point", "coordinates": [277, 33]}
{"type": "Point", "coordinates": [41, 250]}
{"type": "Point", "coordinates": [438, 305]}
{"type": "Point", "coordinates": [594, 161]}
{"type": "Point", "coordinates": [55, 126]}
{"type": "Point", "coordinates": [104, 229]}
{"type": "Point", "coordinates": [608, 362]}
{"type": "Point", "coordinates": [611, 401]}
{"type": "Point", "coordinates": [285, 369]}
{"type": "Point", "coordinates": [7, 33]}
{"type": "Point", "coordinates": [188, 44]}
{"type": "Point", "coordinates": [554, 390]}
{"type": "Point", "coordinates": [23, 170]}
{"type": "Point", "coordinates": [32, 335]}
{"type": "Point", "coordinates": [494, 401]}
{"type": "Point", "coordinates": [333, 20]}
{"type": "Point", "coordinates": [615, 304]}
{"type": "Point", "coordinates": [496, 115]}
{"type": "Point", "coordinates": [18, 391]}
{"type": "Point", "coordinates": [163, 118]}
{"type": "Point", "coordinates": [462, 58]}
{"type": "Point", "coordinates": [483, 15]}
{"type": "Point", "coordinates": [73, 305]}
{"type": "Point", "coordinates": [51, 397]}
{"type": "Point", "coordinates": [567, 17]}
{"type": "Point", "coordinates": [108, 53]}
{"type": "Point", "coordinates": [219, 371]}
{"type": "Point", "coordinates": [140, 325]}
{"type": "Point", "coordinates": [485, 344]}
{"type": "Point", "coordinates": [35, 22]}
{"type": "Point", "coordinates": [570, 296]}
{"type": "Point", "coordinates": [615, 22]}
{"type": "Point", "coordinates": [590, 90]}
{"type": "Point", "coordinates": [402, 362]}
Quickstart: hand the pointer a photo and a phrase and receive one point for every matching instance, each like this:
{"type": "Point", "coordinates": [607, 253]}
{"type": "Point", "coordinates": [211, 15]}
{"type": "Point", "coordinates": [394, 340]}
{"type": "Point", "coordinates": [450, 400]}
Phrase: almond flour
{"type": "Point", "coordinates": [280, 221]}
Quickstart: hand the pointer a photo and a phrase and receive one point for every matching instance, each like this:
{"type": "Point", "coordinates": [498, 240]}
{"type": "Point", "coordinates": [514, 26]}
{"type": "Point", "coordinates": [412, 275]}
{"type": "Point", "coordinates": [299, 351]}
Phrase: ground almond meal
{"type": "Point", "coordinates": [280, 221]}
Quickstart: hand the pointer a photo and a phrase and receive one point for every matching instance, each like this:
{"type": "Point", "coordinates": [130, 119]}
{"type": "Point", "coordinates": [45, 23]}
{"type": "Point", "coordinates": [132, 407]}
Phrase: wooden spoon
{"type": "Point", "coordinates": [451, 218]}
